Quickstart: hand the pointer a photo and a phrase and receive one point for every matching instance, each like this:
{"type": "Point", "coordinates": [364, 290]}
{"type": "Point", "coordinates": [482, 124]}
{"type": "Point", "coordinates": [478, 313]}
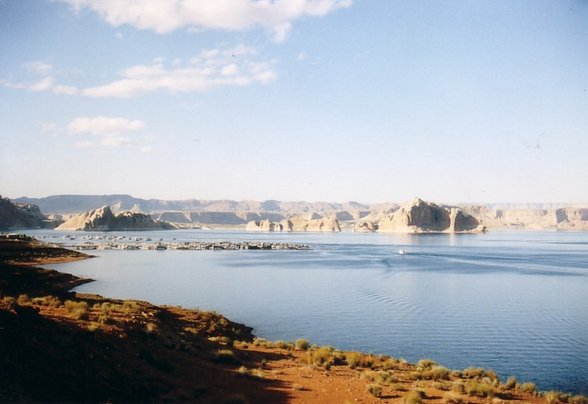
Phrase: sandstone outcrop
{"type": "Point", "coordinates": [103, 219]}
{"type": "Point", "coordinates": [419, 216]}
{"type": "Point", "coordinates": [302, 224]}
{"type": "Point", "coordinates": [22, 216]}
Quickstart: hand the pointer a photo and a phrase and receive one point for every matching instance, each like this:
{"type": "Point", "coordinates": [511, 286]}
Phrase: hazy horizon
{"type": "Point", "coordinates": [312, 100]}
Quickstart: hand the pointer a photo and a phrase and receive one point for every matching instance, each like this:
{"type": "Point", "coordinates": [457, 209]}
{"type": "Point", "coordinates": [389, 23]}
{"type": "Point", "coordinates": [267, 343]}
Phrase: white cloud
{"type": "Point", "coordinates": [111, 131]}
{"type": "Point", "coordinates": [164, 16]}
{"type": "Point", "coordinates": [44, 84]}
{"type": "Point", "coordinates": [103, 125]}
{"type": "Point", "coordinates": [212, 68]}
{"type": "Point", "coordinates": [39, 68]}
{"type": "Point", "coordinates": [68, 90]}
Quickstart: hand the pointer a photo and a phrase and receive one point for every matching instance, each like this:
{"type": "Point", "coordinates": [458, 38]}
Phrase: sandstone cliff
{"type": "Point", "coordinates": [103, 219]}
{"type": "Point", "coordinates": [22, 216]}
{"type": "Point", "coordinates": [298, 223]}
{"type": "Point", "coordinates": [419, 216]}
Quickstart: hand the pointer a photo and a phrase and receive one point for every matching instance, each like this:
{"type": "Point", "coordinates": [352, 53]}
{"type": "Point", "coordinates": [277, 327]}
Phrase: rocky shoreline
{"type": "Point", "coordinates": [189, 245]}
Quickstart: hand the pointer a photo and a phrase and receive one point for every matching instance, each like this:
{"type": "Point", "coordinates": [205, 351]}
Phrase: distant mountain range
{"type": "Point", "coordinates": [65, 204]}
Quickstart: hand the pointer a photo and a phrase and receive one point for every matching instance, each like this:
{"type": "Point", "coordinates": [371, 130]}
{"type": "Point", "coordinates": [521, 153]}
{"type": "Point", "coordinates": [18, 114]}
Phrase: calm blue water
{"type": "Point", "coordinates": [513, 302]}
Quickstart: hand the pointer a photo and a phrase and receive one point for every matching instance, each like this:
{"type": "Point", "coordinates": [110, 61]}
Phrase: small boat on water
{"type": "Point", "coordinates": [401, 252]}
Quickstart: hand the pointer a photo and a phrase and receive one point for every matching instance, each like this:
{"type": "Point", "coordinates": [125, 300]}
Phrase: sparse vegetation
{"type": "Point", "coordinates": [479, 388]}
{"type": "Point", "coordinates": [255, 373]}
{"type": "Point", "coordinates": [79, 310]}
{"type": "Point", "coordinates": [436, 373]}
{"type": "Point", "coordinates": [452, 397]}
{"type": "Point", "coordinates": [302, 344]}
{"type": "Point", "coordinates": [374, 389]}
{"type": "Point", "coordinates": [414, 397]}
{"type": "Point", "coordinates": [352, 359]}
{"type": "Point", "coordinates": [511, 383]}
{"type": "Point", "coordinates": [425, 364]}
{"type": "Point", "coordinates": [528, 387]}
{"type": "Point", "coordinates": [226, 356]}
{"type": "Point", "coordinates": [554, 397]}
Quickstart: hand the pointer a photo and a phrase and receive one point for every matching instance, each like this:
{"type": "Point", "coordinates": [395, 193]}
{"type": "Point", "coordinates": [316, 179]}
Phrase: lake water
{"type": "Point", "coordinates": [516, 302]}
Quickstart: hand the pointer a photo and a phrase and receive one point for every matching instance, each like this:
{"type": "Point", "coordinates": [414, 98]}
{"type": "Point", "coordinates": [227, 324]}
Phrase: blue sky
{"type": "Point", "coordinates": [332, 100]}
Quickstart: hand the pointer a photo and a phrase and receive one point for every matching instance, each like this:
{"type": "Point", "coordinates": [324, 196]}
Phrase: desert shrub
{"type": "Point", "coordinates": [528, 387]}
{"type": "Point", "coordinates": [458, 387]}
{"type": "Point", "coordinates": [374, 389]}
{"type": "Point", "coordinates": [442, 385]}
{"type": "Point", "coordinates": [255, 373]}
{"type": "Point", "coordinates": [452, 397]}
{"type": "Point", "coordinates": [480, 389]}
{"type": "Point", "coordinates": [553, 397]}
{"type": "Point", "coordinates": [23, 299]}
{"type": "Point", "coordinates": [339, 358]}
{"type": "Point", "coordinates": [367, 361]}
{"type": "Point", "coordinates": [302, 344]}
{"type": "Point", "coordinates": [414, 397]}
{"type": "Point", "coordinates": [490, 374]}
{"type": "Point", "coordinates": [352, 359]}
{"type": "Point", "coordinates": [397, 387]}
{"type": "Point", "coordinates": [510, 383]}
{"type": "Point", "coordinates": [93, 326]}
{"type": "Point", "coordinates": [262, 342]}
{"type": "Point", "coordinates": [320, 356]}
{"type": "Point", "coordinates": [436, 373]}
{"type": "Point", "coordinates": [281, 345]}
{"type": "Point", "coordinates": [579, 399]}
{"type": "Point", "coordinates": [379, 377]}
{"type": "Point", "coordinates": [390, 363]}
{"type": "Point", "coordinates": [79, 310]}
{"type": "Point", "coordinates": [473, 373]}
{"type": "Point", "coordinates": [150, 327]}
{"type": "Point", "coordinates": [424, 364]}
{"type": "Point", "coordinates": [226, 356]}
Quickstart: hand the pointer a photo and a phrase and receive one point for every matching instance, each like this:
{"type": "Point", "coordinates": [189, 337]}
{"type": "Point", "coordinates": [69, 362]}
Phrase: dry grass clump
{"type": "Point", "coordinates": [321, 356]}
{"type": "Point", "coordinates": [262, 342]}
{"type": "Point", "coordinates": [452, 397]}
{"type": "Point", "coordinates": [425, 364]}
{"type": "Point", "coordinates": [50, 301]}
{"type": "Point", "coordinates": [397, 387]}
{"type": "Point", "coordinates": [436, 373]}
{"type": "Point", "coordinates": [554, 397]}
{"type": "Point", "coordinates": [352, 359]}
{"type": "Point", "coordinates": [302, 344]}
{"type": "Point", "coordinates": [414, 397]}
{"type": "Point", "coordinates": [510, 383]}
{"type": "Point", "coordinates": [226, 356]}
{"type": "Point", "coordinates": [473, 373]}
{"type": "Point", "coordinates": [79, 310]}
{"type": "Point", "coordinates": [374, 389]}
{"type": "Point", "coordinates": [283, 345]}
{"type": "Point", "coordinates": [479, 388]}
{"type": "Point", "coordinates": [578, 399]}
{"type": "Point", "coordinates": [528, 387]}
{"type": "Point", "coordinates": [381, 377]}
{"type": "Point", "coordinates": [458, 387]}
{"type": "Point", "coordinates": [23, 299]}
{"type": "Point", "coordinates": [254, 373]}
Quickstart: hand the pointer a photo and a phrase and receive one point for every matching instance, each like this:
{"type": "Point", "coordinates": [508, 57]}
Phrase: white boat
{"type": "Point", "coordinates": [401, 252]}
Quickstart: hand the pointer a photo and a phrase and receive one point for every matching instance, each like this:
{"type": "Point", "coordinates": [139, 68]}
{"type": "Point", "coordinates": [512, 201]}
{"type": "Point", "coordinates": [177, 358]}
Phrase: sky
{"type": "Point", "coordinates": [317, 100]}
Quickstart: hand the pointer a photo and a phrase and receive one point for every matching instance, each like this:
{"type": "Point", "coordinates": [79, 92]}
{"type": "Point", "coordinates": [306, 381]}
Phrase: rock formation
{"type": "Point", "coordinates": [419, 216]}
{"type": "Point", "coordinates": [22, 216]}
{"type": "Point", "coordinates": [103, 219]}
{"type": "Point", "coordinates": [298, 223]}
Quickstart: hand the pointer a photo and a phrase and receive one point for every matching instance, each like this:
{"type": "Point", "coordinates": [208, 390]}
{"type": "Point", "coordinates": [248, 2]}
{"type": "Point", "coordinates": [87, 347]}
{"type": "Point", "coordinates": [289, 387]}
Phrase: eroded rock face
{"type": "Point", "coordinates": [419, 216]}
{"type": "Point", "coordinates": [103, 219]}
{"type": "Point", "coordinates": [22, 216]}
{"type": "Point", "coordinates": [328, 224]}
